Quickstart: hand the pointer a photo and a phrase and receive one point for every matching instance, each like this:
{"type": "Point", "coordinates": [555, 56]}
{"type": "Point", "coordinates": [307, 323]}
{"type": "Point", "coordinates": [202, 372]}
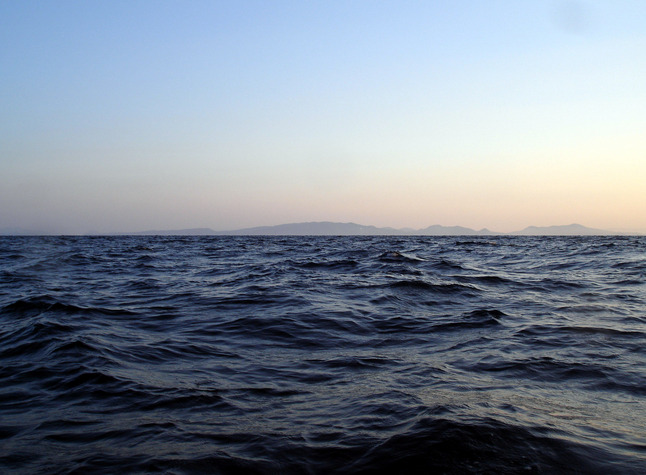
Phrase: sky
{"type": "Point", "coordinates": [127, 116]}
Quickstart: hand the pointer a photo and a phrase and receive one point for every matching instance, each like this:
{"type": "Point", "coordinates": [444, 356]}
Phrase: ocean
{"type": "Point", "coordinates": [233, 354]}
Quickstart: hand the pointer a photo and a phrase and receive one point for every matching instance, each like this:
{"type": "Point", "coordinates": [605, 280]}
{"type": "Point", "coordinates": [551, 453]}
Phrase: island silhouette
{"type": "Point", "coordinates": [330, 228]}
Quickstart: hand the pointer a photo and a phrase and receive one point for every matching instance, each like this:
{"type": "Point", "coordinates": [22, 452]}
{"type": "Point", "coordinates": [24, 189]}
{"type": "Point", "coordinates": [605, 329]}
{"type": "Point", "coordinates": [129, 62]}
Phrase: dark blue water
{"type": "Point", "coordinates": [323, 354]}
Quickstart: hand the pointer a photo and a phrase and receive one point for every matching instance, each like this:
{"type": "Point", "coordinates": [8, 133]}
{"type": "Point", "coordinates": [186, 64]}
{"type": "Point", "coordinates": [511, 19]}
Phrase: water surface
{"type": "Point", "coordinates": [323, 354]}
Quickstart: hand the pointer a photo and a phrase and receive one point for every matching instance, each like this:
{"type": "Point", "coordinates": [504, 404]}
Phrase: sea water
{"type": "Point", "coordinates": [323, 354]}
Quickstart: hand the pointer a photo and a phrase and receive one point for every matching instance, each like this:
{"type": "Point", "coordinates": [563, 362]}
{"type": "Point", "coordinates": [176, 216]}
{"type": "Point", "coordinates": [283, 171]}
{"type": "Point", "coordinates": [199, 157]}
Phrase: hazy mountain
{"type": "Point", "coordinates": [328, 228]}
{"type": "Point", "coordinates": [323, 228]}
{"type": "Point", "coordinates": [565, 230]}
{"type": "Point", "coordinates": [176, 232]}
{"type": "Point", "coordinates": [438, 230]}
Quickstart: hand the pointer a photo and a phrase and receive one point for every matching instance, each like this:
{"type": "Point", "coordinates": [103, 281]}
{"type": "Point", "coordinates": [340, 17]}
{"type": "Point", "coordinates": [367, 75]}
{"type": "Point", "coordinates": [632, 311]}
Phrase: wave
{"type": "Point", "coordinates": [396, 256]}
{"type": "Point", "coordinates": [38, 305]}
{"type": "Point", "coordinates": [476, 319]}
{"type": "Point", "coordinates": [322, 355]}
{"type": "Point", "coordinates": [429, 445]}
{"type": "Point", "coordinates": [441, 287]}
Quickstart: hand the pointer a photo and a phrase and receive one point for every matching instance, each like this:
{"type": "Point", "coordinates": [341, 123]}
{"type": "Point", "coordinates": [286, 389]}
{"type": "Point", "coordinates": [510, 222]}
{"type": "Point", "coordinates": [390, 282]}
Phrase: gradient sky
{"type": "Point", "coordinates": [135, 115]}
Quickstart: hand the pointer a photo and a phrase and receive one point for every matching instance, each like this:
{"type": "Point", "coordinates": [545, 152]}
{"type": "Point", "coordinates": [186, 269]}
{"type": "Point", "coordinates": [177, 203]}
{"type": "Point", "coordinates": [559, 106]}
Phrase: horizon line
{"type": "Point", "coordinates": [359, 230]}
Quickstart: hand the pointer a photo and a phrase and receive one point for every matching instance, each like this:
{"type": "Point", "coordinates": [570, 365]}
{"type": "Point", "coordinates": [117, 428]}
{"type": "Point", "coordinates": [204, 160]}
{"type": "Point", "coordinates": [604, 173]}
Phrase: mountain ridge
{"type": "Point", "coordinates": [331, 228]}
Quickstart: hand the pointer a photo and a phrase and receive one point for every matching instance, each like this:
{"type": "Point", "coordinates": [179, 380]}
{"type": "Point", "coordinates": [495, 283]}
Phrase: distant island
{"type": "Point", "coordinates": [328, 228]}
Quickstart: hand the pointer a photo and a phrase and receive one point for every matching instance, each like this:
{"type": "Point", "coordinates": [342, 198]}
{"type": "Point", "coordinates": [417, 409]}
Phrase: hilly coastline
{"type": "Point", "coordinates": [328, 228]}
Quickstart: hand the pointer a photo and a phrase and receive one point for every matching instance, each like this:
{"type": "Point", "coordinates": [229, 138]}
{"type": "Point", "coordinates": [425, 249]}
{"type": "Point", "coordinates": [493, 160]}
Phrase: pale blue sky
{"type": "Point", "coordinates": [126, 116]}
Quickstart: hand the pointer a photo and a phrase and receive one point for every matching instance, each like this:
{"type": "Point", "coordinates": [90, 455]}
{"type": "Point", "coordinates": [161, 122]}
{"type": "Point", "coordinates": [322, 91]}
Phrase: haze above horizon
{"type": "Point", "coordinates": [168, 115]}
